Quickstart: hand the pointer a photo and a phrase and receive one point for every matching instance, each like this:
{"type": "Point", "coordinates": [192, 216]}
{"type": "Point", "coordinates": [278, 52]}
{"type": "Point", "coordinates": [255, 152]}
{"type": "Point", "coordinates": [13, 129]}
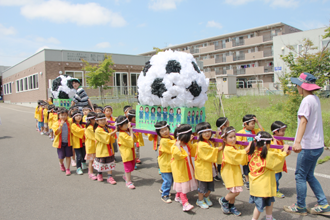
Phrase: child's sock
{"type": "Point", "coordinates": [109, 175]}
{"type": "Point", "coordinates": [224, 199]}
{"type": "Point", "coordinates": [269, 217]}
{"type": "Point", "coordinates": [100, 173]}
{"type": "Point", "coordinates": [231, 205]}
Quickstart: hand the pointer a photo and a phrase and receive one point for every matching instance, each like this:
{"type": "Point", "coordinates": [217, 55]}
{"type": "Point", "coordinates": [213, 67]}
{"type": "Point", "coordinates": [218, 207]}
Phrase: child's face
{"type": "Point", "coordinates": [188, 113]}
{"type": "Point", "coordinates": [86, 111]}
{"type": "Point", "coordinates": [77, 118]}
{"type": "Point", "coordinates": [133, 120]}
{"type": "Point", "coordinates": [165, 132]}
{"type": "Point", "coordinates": [102, 122]}
{"type": "Point", "coordinates": [141, 108]}
{"type": "Point", "coordinates": [123, 127]}
{"type": "Point", "coordinates": [193, 113]}
{"type": "Point", "coordinates": [206, 135]}
{"type": "Point", "coordinates": [158, 109]}
{"type": "Point", "coordinates": [179, 111]}
{"type": "Point", "coordinates": [92, 121]}
{"type": "Point", "coordinates": [280, 132]}
{"type": "Point", "coordinates": [153, 110]}
{"type": "Point", "coordinates": [63, 116]}
{"type": "Point", "coordinates": [197, 113]}
{"type": "Point", "coordinates": [147, 109]}
{"type": "Point", "coordinates": [108, 112]}
{"type": "Point", "coordinates": [165, 110]}
{"type": "Point", "coordinates": [231, 138]}
{"type": "Point", "coordinates": [98, 110]}
{"type": "Point", "coordinates": [250, 125]}
{"type": "Point", "coordinates": [171, 110]}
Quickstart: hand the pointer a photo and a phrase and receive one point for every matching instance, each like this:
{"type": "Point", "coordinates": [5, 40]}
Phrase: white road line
{"type": "Point", "coordinates": [17, 110]}
{"type": "Point", "coordinates": [316, 174]}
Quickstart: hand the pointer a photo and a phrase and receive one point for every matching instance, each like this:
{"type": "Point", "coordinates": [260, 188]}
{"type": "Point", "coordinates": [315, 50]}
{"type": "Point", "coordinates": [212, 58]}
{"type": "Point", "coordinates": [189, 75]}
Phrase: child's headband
{"type": "Point", "coordinates": [284, 126]}
{"type": "Point", "coordinates": [158, 128]}
{"type": "Point", "coordinates": [223, 124]}
{"type": "Point", "coordinates": [127, 109]}
{"type": "Point", "coordinates": [88, 118]}
{"type": "Point", "coordinates": [259, 138]}
{"type": "Point", "coordinates": [247, 121]}
{"type": "Point", "coordinates": [121, 122]}
{"type": "Point", "coordinates": [131, 114]}
{"type": "Point", "coordinates": [76, 115]}
{"type": "Point", "coordinates": [87, 108]}
{"type": "Point", "coordinates": [108, 106]}
{"type": "Point", "coordinates": [184, 132]}
{"type": "Point", "coordinates": [204, 130]}
{"type": "Point", "coordinates": [100, 118]}
{"type": "Point", "coordinates": [222, 135]}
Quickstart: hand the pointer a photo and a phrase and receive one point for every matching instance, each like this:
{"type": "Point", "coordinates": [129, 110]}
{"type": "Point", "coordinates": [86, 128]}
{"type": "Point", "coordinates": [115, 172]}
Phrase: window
{"type": "Point", "coordinates": [7, 88]}
{"type": "Point", "coordinates": [27, 83]}
{"type": "Point", "coordinates": [134, 78]}
{"type": "Point", "coordinates": [77, 74]}
{"type": "Point", "coordinates": [325, 43]}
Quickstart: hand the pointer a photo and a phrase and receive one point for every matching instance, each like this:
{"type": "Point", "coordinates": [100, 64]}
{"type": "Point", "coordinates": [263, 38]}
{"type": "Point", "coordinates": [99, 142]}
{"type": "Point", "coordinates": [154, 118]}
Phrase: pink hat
{"type": "Point", "coordinates": [306, 81]}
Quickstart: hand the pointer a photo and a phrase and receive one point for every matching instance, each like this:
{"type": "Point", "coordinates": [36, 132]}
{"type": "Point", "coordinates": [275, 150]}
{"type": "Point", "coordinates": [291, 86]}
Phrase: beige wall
{"type": "Point", "coordinates": [253, 40]}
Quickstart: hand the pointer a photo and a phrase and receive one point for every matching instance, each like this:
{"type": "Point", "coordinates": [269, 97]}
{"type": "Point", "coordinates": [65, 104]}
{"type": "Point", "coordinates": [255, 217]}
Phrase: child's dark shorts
{"type": "Point", "coordinates": [204, 187]}
{"type": "Point", "coordinates": [64, 151]}
{"type": "Point", "coordinates": [261, 202]}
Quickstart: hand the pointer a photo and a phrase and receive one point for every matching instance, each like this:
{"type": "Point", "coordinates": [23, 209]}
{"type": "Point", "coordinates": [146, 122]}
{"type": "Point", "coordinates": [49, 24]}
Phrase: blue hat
{"type": "Point", "coordinates": [306, 81]}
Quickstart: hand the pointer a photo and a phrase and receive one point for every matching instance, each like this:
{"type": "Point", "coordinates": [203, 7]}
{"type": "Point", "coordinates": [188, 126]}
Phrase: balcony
{"type": "Point", "coordinates": [209, 62]}
{"type": "Point", "coordinates": [210, 74]}
{"type": "Point", "coordinates": [229, 58]}
{"type": "Point", "coordinates": [254, 55]}
{"type": "Point", "coordinates": [220, 72]}
{"type": "Point", "coordinates": [253, 40]}
{"type": "Point", "coordinates": [240, 42]}
{"type": "Point", "coordinates": [269, 69]}
{"type": "Point", "coordinates": [229, 44]}
{"type": "Point", "coordinates": [220, 46]}
{"type": "Point", "coordinates": [255, 70]}
{"type": "Point", "coordinates": [239, 57]}
{"type": "Point", "coordinates": [267, 37]}
{"type": "Point", "coordinates": [268, 53]}
{"type": "Point", "coordinates": [239, 71]}
{"type": "Point", "coordinates": [220, 60]}
{"type": "Point", "coordinates": [196, 50]}
{"type": "Point", "coordinates": [206, 49]}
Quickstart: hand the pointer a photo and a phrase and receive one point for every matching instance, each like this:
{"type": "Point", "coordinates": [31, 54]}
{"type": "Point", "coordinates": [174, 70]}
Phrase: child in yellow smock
{"type": "Point", "coordinates": [90, 143]}
{"type": "Point", "coordinates": [264, 163]}
{"type": "Point", "coordinates": [78, 141]}
{"type": "Point", "coordinates": [221, 124]}
{"type": "Point", "coordinates": [205, 164]}
{"type": "Point", "coordinates": [232, 158]}
{"type": "Point", "coordinates": [181, 165]}
{"type": "Point", "coordinates": [164, 158]}
{"type": "Point", "coordinates": [105, 157]}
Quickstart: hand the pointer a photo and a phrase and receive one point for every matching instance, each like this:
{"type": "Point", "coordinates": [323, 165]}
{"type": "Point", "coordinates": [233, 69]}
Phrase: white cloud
{"type": "Point", "coordinates": [158, 5]}
{"type": "Point", "coordinates": [7, 31]}
{"type": "Point", "coordinates": [103, 45]}
{"type": "Point", "coordinates": [41, 48]}
{"type": "Point", "coordinates": [284, 3]}
{"type": "Point", "coordinates": [51, 40]}
{"type": "Point", "coordinates": [141, 25]}
{"type": "Point", "coordinates": [312, 25]}
{"type": "Point", "coordinates": [82, 14]}
{"type": "Point", "coordinates": [18, 2]}
{"type": "Point", "coordinates": [213, 24]}
{"type": "Point", "coordinates": [273, 3]}
{"type": "Point", "coordinates": [237, 2]}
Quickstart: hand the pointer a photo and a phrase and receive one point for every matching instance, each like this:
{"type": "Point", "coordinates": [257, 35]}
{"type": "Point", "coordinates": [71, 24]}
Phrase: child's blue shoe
{"type": "Point", "coordinates": [135, 167]}
{"type": "Point", "coordinates": [224, 206]}
{"type": "Point", "coordinates": [208, 201]}
{"type": "Point", "coordinates": [235, 211]}
{"type": "Point", "coordinates": [202, 204]}
{"type": "Point", "coordinates": [79, 171]}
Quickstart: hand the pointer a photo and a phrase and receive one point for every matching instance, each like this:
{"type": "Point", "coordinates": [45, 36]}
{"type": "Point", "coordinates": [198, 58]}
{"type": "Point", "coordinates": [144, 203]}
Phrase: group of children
{"type": "Point", "coordinates": [187, 160]}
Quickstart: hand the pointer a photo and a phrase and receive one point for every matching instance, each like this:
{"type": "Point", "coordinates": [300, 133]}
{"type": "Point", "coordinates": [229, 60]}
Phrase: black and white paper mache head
{"type": "Point", "coordinates": [172, 79]}
{"type": "Point", "coordinates": [62, 87]}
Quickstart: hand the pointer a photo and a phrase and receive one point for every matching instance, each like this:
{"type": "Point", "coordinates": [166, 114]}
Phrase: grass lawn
{"type": "Point", "coordinates": [267, 109]}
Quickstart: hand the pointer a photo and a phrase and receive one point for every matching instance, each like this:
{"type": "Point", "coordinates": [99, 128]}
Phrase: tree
{"type": "Point", "coordinates": [99, 75]}
{"type": "Point", "coordinates": [157, 49]}
{"type": "Point", "coordinates": [298, 62]}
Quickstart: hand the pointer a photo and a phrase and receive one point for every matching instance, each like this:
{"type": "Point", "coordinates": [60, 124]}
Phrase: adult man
{"type": "Point", "coordinates": [309, 143]}
{"type": "Point", "coordinates": [80, 99]}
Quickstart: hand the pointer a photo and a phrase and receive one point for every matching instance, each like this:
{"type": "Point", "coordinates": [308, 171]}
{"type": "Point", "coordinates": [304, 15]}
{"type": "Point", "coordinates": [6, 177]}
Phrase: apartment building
{"type": "Point", "coordinates": [248, 54]}
{"type": "Point", "coordinates": [31, 79]}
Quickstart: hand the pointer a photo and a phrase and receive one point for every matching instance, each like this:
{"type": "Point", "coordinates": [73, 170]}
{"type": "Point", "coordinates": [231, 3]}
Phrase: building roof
{"type": "Point", "coordinates": [73, 56]}
{"type": "Point", "coordinates": [222, 36]}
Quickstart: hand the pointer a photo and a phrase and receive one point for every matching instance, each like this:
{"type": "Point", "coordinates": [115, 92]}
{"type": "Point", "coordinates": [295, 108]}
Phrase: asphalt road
{"type": "Point", "coordinates": [33, 187]}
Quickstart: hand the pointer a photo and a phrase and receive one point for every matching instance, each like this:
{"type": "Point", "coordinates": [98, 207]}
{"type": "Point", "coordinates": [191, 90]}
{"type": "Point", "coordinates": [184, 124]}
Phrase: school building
{"type": "Point", "coordinates": [31, 79]}
{"type": "Point", "coordinates": [247, 54]}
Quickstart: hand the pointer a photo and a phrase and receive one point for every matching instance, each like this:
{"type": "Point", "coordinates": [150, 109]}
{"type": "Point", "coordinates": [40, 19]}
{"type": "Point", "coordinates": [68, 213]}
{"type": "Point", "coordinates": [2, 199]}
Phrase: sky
{"type": "Point", "coordinates": [136, 26]}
